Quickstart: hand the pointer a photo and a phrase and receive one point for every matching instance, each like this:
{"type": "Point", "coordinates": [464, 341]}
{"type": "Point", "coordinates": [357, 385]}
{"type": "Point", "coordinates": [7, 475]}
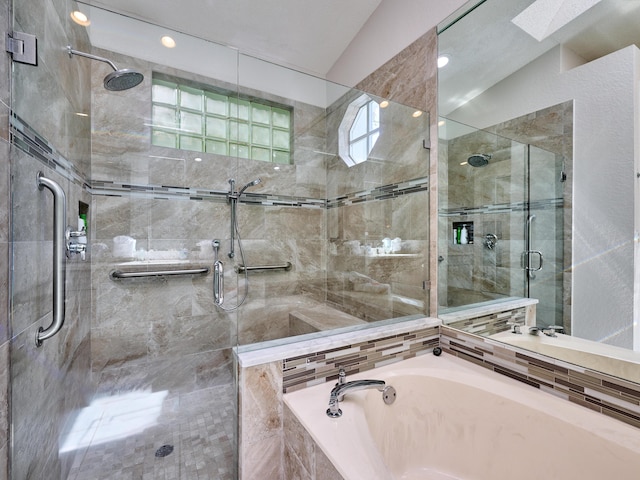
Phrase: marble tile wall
{"type": "Point", "coordinates": [48, 384]}
{"type": "Point", "coordinates": [492, 198]}
{"type": "Point", "coordinates": [303, 458]}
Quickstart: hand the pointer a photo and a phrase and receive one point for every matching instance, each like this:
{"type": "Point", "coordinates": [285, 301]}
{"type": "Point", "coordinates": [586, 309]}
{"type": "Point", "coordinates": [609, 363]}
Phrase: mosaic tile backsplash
{"type": "Point", "coordinates": [606, 394]}
{"type": "Point", "coordinates": [323, 366]}
{"type": "Point", "coordinates": [492, 323]}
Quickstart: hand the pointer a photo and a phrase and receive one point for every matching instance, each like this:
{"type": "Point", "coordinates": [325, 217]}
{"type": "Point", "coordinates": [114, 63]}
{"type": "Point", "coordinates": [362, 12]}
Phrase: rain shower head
{"type": "Point", "coordinates": [479, 159]}
{"type": "Point", "coordinates": [117, 80]}
{"type": "Point", "coordinates": [122, 80]}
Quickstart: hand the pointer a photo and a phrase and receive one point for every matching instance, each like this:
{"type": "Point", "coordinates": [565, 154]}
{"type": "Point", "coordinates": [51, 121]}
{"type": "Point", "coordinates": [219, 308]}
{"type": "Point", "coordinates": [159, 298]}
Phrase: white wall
{"type": "Point", "coordinates": [393, 26]}
{"type": "Point", "coordinates": [604, 180]}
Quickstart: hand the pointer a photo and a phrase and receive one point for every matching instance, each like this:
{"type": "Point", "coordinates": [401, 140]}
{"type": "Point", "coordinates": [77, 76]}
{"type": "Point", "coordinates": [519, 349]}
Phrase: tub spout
{"type": "Point", "coordinates": [341, 389]}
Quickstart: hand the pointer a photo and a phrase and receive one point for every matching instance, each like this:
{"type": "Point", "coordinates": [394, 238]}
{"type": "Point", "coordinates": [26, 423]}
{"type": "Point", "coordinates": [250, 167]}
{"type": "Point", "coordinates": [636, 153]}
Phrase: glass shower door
{"type": "Point", "coordinates": [508, 195]}
{"type": "Point", "coordinates": [543, 255]}
{"type": "Point", "coordinates": [139, 382]}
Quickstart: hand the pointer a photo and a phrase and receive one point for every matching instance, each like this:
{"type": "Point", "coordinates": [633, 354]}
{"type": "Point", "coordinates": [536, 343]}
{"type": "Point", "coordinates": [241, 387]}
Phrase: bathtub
{"type": "Point", "coordinates": [616, 361]}
{"type": "Point", "coordinates": [455, 420]}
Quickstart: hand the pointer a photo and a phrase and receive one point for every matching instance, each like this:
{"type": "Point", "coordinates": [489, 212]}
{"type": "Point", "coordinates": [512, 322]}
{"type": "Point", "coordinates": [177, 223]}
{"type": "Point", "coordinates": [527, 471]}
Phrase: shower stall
{"type": "Point", "coordinates": [140, 381]}
{"type": "Point", "coordinates": [510, 199]}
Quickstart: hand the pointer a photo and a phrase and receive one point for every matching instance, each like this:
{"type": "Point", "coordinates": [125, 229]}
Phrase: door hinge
{"type": "Point", "coordinates": [22, 47]}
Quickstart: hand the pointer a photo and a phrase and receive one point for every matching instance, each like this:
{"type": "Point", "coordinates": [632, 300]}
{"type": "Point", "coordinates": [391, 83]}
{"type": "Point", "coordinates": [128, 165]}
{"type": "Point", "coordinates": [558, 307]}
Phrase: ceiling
{"type": "Point", "coordinates": [308, 35]}
{"type": "Point", "coordinates": [311, 35]}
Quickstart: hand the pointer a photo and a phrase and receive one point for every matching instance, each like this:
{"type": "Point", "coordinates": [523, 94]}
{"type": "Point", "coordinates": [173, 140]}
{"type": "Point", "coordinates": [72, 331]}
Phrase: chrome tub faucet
{"type": "Point", "coordinates": [549, 331]}
{"type": "Point", "coordinates": [343, 387]}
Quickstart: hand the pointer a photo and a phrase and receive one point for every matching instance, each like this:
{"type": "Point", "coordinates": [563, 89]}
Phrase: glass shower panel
{"type": "Point", "coordinates": [128, 387]}
{"type": "Point", "coordinates": [545, 229]}
{"type": "Point", "coordinates": [378, 243]}
{"type": "Point", "coordinates": [356, 236]}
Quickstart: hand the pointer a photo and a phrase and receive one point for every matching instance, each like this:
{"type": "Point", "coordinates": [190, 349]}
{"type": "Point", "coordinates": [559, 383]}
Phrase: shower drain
{"type": "Point", "coordinates": [164, 450]}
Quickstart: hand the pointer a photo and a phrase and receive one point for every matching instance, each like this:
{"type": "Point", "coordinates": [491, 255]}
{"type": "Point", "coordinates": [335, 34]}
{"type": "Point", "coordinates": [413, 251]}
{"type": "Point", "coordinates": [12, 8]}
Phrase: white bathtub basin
{"type": "Point", "coordinates": [453, 419]}
{"type": "Point", "coordinates": [616, 361]}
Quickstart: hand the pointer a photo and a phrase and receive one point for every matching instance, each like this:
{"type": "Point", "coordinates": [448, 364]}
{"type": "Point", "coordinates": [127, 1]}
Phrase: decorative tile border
{"type": "Point", "coordinates": [116, 189]}
{"type": "Point", "coordinates": [492, 323]}
{"type": "Point", "coordinates": [603, 393]}
{"type": "Point", "coordinates": [36, 146]}
{"type": "Point", "coordinates": [381, 193]}
{"type": "Point", "coordinates": [28, 140]}
{"type": "Point", "coordinates": [504, 208]}
{"type": "Point", "coordinates": [323, 366]}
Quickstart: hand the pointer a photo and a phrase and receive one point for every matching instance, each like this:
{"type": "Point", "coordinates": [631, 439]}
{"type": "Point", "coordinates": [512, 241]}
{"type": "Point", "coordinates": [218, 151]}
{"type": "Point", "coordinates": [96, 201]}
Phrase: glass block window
{"type": "Point", "coordinates": [209, 121]}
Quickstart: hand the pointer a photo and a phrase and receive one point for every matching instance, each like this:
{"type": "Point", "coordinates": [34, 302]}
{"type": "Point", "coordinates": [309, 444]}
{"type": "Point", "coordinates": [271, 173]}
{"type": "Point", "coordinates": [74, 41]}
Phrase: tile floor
{"type": "Point", "coordinates": [124, 432]}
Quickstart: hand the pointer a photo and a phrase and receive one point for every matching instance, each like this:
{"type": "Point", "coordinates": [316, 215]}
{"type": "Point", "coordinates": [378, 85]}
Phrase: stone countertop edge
{"type": "Point", "coordinates": [472, 312]}
{"type": "Point", "coordinates": [276, 352]}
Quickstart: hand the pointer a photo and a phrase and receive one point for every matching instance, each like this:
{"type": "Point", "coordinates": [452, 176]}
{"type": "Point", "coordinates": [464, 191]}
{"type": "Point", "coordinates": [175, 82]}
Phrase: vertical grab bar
{"type": "Point", "coordinates": [59, 257]}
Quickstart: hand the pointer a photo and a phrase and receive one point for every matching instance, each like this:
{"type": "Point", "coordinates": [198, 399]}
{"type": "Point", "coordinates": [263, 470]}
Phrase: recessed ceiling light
{"type": "Point", "coordinates": [276, 168]}
{"type": "Point", "coordinates": [197, 159]}
{"type": "Point", "coordinates": [168, 42]}
{"type": "Point", "coordinates": [416, 114]}
{"type": "Point", "coordinates": [443, 60]}
{"type": "Point", "coordinates": [384, 104]}
{"type": "Point", "coordinates": [80, 114]}
{"type": "Point", "coordinates": [463, 163]}
{"type": "Point", "coordinates": [80, 18]}
{"type": "Point", "coordinates": [441, 123]}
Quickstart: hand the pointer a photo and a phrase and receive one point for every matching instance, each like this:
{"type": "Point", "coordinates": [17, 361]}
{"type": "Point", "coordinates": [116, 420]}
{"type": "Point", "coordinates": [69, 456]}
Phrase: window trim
{"type": "Point", "coordinates": [344, 132]}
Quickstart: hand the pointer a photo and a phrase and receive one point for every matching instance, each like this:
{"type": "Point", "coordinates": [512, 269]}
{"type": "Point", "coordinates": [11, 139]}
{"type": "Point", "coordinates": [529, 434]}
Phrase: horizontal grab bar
{"type": "Point", "coordinates": [117, 274]}
{"type": "Point", "coordinates": [242, 268]}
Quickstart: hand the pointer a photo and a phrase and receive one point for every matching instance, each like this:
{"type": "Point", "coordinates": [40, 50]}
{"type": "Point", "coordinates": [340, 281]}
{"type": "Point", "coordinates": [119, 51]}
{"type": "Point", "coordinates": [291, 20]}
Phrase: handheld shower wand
{"type": "Point", "coordinates": [233, 197]}
{"type": "Point", "coordinates": [218, 267]}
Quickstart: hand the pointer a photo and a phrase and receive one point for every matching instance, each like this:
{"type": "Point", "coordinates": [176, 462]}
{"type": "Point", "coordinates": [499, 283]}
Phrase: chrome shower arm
{"type": "Point", "coordinates": [72, 52]}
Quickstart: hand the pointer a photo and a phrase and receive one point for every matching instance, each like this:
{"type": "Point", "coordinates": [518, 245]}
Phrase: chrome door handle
{"type": "Point", "coordinates": [526, 262]}
{"type": "Point", "coordinates": [540, 258]}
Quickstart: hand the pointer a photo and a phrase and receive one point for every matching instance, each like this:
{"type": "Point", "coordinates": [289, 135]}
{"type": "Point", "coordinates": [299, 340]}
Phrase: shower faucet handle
{"type": "Point", "coordinates": [490, 241]}
{"type": "Point", "coordinates": [515, 327]}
